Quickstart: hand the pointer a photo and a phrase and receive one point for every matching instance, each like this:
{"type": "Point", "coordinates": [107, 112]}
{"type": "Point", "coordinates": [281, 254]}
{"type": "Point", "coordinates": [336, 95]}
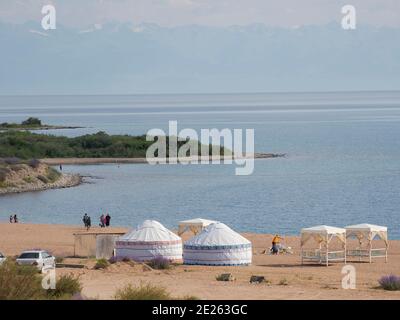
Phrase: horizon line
{"type": "Point", "coordinates": [200, 93]}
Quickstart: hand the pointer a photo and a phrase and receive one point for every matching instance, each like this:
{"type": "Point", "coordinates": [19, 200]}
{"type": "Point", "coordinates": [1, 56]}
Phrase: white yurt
{"type": "Point", "coordinates": [217, 245]}
{"type": "Point", "coordinates": [148, 241]}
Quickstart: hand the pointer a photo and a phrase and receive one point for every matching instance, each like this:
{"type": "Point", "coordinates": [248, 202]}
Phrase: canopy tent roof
{"type": "Point", "coordinates": [150, 231]}
{"type": "Point", "coordinates": [367, 231]}
{"type": "Point", "coordinates": [366, 227]}
{"type": "Point", "coordinates": [217, 234]}
{"type": "Point", "coordinates": [196, 222]}
{"type": "Point", "coordinates": [322, 234]}
{"type": "Point", "coordinates": [327, 230]}
{"type": "Point", "coordinates": [194, 225]}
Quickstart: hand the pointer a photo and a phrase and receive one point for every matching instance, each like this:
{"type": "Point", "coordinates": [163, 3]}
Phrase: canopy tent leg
{"type": "Point", "coordinates": [302, 256]}
{"type": "Point", "coordinates": [370, 251]}
{"type": "Point", "coordinates": [327, 250]}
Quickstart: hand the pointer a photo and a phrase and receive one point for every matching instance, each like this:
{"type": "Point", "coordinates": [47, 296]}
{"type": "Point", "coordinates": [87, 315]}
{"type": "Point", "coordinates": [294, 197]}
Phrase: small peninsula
{"type": "Point", "coordinates": [31, 124]}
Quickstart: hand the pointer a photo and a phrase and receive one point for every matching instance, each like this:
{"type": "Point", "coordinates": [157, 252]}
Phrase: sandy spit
{"type": "Point", "coordinates": [88, 161]}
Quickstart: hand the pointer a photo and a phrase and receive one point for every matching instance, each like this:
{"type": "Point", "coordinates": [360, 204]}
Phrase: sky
{"type": "Point", "coordinates": [196, 46]}
{"type": "Point", "coordinates": [169, 13]}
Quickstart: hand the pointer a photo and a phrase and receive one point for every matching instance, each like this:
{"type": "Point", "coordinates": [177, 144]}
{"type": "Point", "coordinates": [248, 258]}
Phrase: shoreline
{"type": "Point", "coordinates": [65, 181]}
{"type": "Point", "coordinates": [44, 128]}
{"type": "Point", "coordinates": [88, 161]}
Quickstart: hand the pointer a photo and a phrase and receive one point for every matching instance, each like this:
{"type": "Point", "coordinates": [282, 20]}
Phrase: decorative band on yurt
{"type": "Point", "coordinates": [234, 255]}
{"type": "Point", "coordinates": [217, 247]}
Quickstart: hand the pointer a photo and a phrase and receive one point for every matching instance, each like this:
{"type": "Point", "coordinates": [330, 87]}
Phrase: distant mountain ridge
{"type": "Point", "coordinates": [146, 58]}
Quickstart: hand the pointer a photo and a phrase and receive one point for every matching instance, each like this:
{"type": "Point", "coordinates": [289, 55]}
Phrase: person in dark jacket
{"type": "Point", "coordinates": [108, 220]}
{"type": "Point", "coordinates": [89, 223]}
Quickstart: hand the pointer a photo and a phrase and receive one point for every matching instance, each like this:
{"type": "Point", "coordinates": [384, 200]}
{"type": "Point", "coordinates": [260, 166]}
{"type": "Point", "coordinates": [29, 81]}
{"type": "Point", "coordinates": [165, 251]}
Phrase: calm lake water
{"type": "Point", "coordinates": [342, 165]}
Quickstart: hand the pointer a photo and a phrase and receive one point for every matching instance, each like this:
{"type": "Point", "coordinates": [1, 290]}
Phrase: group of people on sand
{"type": "Point", "coordinates": [13, 218]}
{"type": "Point", "coordinates": [105, 221]}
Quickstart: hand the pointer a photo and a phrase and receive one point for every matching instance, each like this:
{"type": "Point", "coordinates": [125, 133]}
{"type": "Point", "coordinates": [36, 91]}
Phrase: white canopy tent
{"type": "Point", "coordinates": [323, 235]}
{"type": "Point", "coordinates": [148, 241]}
{"type": "Point", "coordinates": [217, 244]}
{"type": "Point", "coordinates": [366, 233]}
{"type": "Point", "coordinates": [194, 225]}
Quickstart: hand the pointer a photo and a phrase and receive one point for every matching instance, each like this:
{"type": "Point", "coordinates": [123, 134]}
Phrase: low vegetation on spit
{"type": "Point", "coordinates": [28, 145]}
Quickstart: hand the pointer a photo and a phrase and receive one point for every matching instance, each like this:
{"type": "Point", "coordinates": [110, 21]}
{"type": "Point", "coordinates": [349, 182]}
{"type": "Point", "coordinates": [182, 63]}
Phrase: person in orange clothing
{"type": "Point", "coordinates": [275, 244]}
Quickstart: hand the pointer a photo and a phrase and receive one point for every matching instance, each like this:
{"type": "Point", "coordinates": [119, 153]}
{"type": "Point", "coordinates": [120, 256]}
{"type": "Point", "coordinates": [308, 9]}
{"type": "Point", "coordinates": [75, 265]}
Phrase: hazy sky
{"type": "Point", "coordinates": [284, 13]}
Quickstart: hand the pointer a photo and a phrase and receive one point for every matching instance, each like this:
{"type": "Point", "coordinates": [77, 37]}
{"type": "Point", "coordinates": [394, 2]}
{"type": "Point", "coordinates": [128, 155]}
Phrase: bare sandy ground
{"type": "Point", "coordinates": [302, 282]}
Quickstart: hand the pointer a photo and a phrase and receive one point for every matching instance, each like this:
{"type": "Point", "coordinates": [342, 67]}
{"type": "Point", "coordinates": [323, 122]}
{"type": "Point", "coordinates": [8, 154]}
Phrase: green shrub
{"type": "Point", "coordinates": [225, 277]}
{"type": "Point", "coordinates": [101, 264]}
{"type": "Point", "coordinates": [142, 292]}
{"type": "Point", "coordinates": [160, 263]}
{"type": "Point", "coordinates": [20, 282]}
{"type": "Point", "coordinates": [28, 179]}
{"type": "Point", "coordinates": [53, 174]}
{"type": "Point", "coordinates": [190, 298]}
{"type": "Point", "coordinates": [43, 178]}
{"type": "Point", "coordinates": [283, 282]}
{"type": "Point", "coordinates": [66, 287]}
{"type": "Point", "coordinates": [390, 282]}
{"type": "Point", "coordinates": [59, 259]}
{"type": "Point", "coordinates": [32, 122]}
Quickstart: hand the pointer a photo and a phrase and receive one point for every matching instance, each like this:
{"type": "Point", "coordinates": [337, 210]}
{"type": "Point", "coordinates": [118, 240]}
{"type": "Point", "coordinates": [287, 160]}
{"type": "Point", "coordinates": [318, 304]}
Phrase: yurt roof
{"type": "Point", "coordinates": [217, 234]}
{"type": "Point", "coordinates": [150, 230]}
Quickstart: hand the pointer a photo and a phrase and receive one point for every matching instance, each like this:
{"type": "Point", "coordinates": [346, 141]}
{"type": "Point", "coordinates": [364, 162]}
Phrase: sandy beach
{"type": "Point", "coordinates": [288, 278]}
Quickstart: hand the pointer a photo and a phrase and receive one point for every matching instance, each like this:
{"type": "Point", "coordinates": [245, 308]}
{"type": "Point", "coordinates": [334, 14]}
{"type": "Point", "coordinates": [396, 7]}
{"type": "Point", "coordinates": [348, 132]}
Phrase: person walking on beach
{"type": "Point", "coordinates": [11, 218]}
{"type": "Point", "coordinates": [84, 219]}
{"type": "Point", "coordinates": [275, 244]}
{"type": "Point", "coordinates": [15, 218]}
{"type": "Point", "coordinates": [102, 221]}
{"type": "Point", "coordinates": [108, 220]}
{"type": "Point", "coordinates": [89, 223]}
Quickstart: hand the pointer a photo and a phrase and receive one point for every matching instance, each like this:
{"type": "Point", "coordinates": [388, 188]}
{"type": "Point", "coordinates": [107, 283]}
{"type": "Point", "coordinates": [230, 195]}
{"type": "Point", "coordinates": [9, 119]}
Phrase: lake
{"type": "Point", "coordinates": [342, 163]}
